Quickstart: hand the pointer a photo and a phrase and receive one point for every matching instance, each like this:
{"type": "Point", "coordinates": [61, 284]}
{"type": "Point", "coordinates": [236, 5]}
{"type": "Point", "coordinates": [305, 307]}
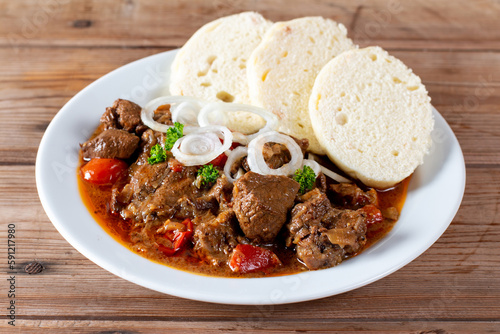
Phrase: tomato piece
{"type": "Point", "coordinates": [373, 214]}
{"type": "Point", "coordinates": [220, 161]}
{"type": "Point", "coordinates": [103, 171]}
{"type": "Point", "coordinates": [248, 258]}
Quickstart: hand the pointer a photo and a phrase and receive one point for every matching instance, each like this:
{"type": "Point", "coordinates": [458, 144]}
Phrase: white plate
{"type": "Point", "coordinates": [434, 195]}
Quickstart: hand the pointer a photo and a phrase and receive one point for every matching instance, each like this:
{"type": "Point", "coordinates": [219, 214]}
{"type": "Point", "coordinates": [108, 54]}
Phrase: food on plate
{"type": "Point", "coordinates": [240, 190]}
{"type": "Point", "coordinates": [372, 115]}
{"type": "Point", "coordinates": [282, 69]}
{"type": "Point", "coordinates": [212, 64]}
{"type": "Point", "coordinates": [202, 198]}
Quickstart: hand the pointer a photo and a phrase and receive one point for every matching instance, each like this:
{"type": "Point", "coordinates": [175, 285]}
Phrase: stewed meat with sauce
{"type": "Point", "coordinates": [164, 213]}
{"type": "Point", "coordinates": [109, 144]}
{"type": "Point", "coordinates": [323, 235]}
{"type": "Point", "coordinates": [261, 204]}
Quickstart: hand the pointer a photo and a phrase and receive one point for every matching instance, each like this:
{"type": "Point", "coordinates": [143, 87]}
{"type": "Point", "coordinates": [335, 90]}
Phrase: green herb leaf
{"type": "Point", "coordinates": [306, 178]}
{"type": "Point", "coordinates": [207, 175]}
{"type": "Point", "coordinates": [173, 134]}
{"type": "Point", "coordinates": [157, 154]}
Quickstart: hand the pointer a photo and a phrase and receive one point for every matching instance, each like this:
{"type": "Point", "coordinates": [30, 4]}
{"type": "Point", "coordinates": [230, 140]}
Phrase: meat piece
{"type": "Point", "coordinates": [163, 114]}
{"type": "Point", "coordinates": [351, 196]}
{"type": "Point", "coordinates": [261, 204]}
{"type": "Point", "coordinates": [215, 237]}
{"type": "Point", "coordinates": [306, 214]}
{"type": "Point", "coordinates": [346, 228]}
{"type": "Point", "coordinates": [110, 119]}
{"type": "Point", "coordinates": [129, 114]}
{"type": "Point", "coordinates": [109, 144]}
{"type": "Point", "coordinates": [276, 155]}
{"type": "Point", "coordinates": [160, 192]}
{"type": "Point", "coordinates": [317, 252]}
{"type": "Point", "coordinates": [391, 213]}
{"type": "Point", "coordinates": [321, 182]}
{"type": "Point", "coordinates": [303, 144]}
{"type": "Point", "coordinates": [324, 236]}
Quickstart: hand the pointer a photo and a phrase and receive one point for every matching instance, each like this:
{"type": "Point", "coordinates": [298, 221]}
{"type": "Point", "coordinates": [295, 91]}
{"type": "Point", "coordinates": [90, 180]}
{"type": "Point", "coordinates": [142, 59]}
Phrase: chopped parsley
{"type": "Point", "coordinates": [173, 134]}
{"type": "Point", "coordinates": [157, 154]}
{"type": "Point", "coordinates": [306, 178]}
{"type": "Point", "coordinates": [207, 175]}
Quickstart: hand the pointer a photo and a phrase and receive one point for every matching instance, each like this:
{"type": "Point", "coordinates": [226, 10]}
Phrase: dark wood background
{"type": "Point", "coordinates": [50, 50]}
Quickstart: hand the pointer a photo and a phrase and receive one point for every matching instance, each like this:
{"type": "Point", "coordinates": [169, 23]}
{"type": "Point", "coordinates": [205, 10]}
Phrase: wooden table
{"type": "Point", "coordinates": [50, 50]}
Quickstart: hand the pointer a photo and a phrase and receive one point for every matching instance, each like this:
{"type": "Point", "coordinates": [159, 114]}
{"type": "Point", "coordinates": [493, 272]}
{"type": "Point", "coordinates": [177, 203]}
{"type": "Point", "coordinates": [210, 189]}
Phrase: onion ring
{"type": "Point", "coordinates": [234, 155]}
{"type": "Point", "coordinates": [186, 113]}
{"type": "Point", "coordinates": [256, 159]}
{"type": "Point", "coordinates": [202, 145]}
{"type": "Point", "coordinates": [219, 107]}
{"type": "Point", "coordinates": [331, 174]}
{"type": "Point", "coordinates": [313, 164]}
{"type": "Point", "coordinates": [148, 111]}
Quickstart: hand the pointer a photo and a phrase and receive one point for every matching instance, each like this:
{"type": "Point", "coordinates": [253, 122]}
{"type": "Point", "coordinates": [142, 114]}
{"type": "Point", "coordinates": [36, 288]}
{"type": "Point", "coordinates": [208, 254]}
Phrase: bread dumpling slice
{"type": "Point", "coordinates": [372, 115]}
{"type": "Point", "coordinates": [212, 63]}
{"type": "Point", "coordinates": [282, 69]}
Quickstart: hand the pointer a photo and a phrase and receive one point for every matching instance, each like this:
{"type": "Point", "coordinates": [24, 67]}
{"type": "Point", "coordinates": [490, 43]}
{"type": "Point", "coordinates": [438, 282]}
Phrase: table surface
{"type": "Point", "coordinates": [51, 50]}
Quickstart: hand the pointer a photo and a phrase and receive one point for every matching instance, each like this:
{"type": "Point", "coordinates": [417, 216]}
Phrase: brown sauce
{"type": "Point", "coordinates": [97, 198]}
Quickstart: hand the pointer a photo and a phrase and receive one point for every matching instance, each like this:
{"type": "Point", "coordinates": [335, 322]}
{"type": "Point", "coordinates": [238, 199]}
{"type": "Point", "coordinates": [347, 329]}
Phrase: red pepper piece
{"type": "Point", "coordinates": [179, 238]}
{"type": "Point", "coordinates": [248, 258]}
{"type": "Point", "coordinates": [373, 214]}
{"type": "Point", "coordinates": [166, 250]}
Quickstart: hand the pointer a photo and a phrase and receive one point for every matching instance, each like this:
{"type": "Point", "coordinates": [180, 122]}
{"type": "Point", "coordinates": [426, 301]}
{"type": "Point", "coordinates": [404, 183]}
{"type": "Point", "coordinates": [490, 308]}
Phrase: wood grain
{"type": "Point", "coordinates": [51, 50]}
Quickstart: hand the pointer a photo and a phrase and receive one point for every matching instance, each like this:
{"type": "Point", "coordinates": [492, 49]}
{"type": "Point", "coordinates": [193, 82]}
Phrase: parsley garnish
{"type": "Point", "coordinates": [306, 178]}
{"type": "Point", "coordinates": [157, 154]}
{"type": "Point", "coordinates": [173, 133]}
{"type": "Point", "coordinates": [207, 175]}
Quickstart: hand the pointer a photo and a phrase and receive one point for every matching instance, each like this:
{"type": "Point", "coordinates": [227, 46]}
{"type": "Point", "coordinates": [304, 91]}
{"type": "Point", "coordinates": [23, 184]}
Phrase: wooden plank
{"type": "Point", "coordinates": [389, 23]}
{"type": "Point", "coordinates": [275, 326]}
{"type": "Point", "coordinates": [462, 86]}
{"type": "Point", "coordinates": [453, 280]}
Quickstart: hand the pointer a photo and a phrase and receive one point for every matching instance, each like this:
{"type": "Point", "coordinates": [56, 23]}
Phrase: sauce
{"type": "Point", "coordinates": [96, 199]}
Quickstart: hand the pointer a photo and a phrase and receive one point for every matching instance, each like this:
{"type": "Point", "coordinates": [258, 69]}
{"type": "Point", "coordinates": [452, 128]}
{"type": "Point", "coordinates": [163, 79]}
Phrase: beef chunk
{"type": "Point", "coordinates": [111, 143]}
{"type": "Point", "coordinates": [276, 155]}
{"type": "Point", "coordinates": [351, 196]}
{"type": "Point", "coordinates": [261, 204]}
{"type": "Point", "coordinates": [123, 114]}
{"type": "Point", "coordinates": [129, 114]}
{"type": "Point", "coordinates": [323, 235]}
{"type": "Point", "coordinates": [215, 237]}
{"type": "Point", "coordinates": [163, 114]}
{"type": "Point", "coordinates": [110, 119]}
{"type": "Point", "coordinates": [306, 214]}
{"type": "Point", "coordinates": [303, 143]}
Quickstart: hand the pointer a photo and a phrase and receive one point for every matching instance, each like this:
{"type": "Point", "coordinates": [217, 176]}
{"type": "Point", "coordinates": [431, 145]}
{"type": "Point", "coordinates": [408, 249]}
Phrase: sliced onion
{"type": "Point", "coordinates": [220, 107]}
{"type": "Point", "coordinates": [186, 113]}
{"type": "Point", "coordinates": [148, 111]}
{"type": "Point", "coordinates": [331, 174]}
{"type": "Point", "coordinates": [256, 158]}
{"type": "Point", "coordinates": [202, 145]}
{"type": "Point", "coordinates": [238, 153]}
{"type": "Point", "coordinates": [313, 164]}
